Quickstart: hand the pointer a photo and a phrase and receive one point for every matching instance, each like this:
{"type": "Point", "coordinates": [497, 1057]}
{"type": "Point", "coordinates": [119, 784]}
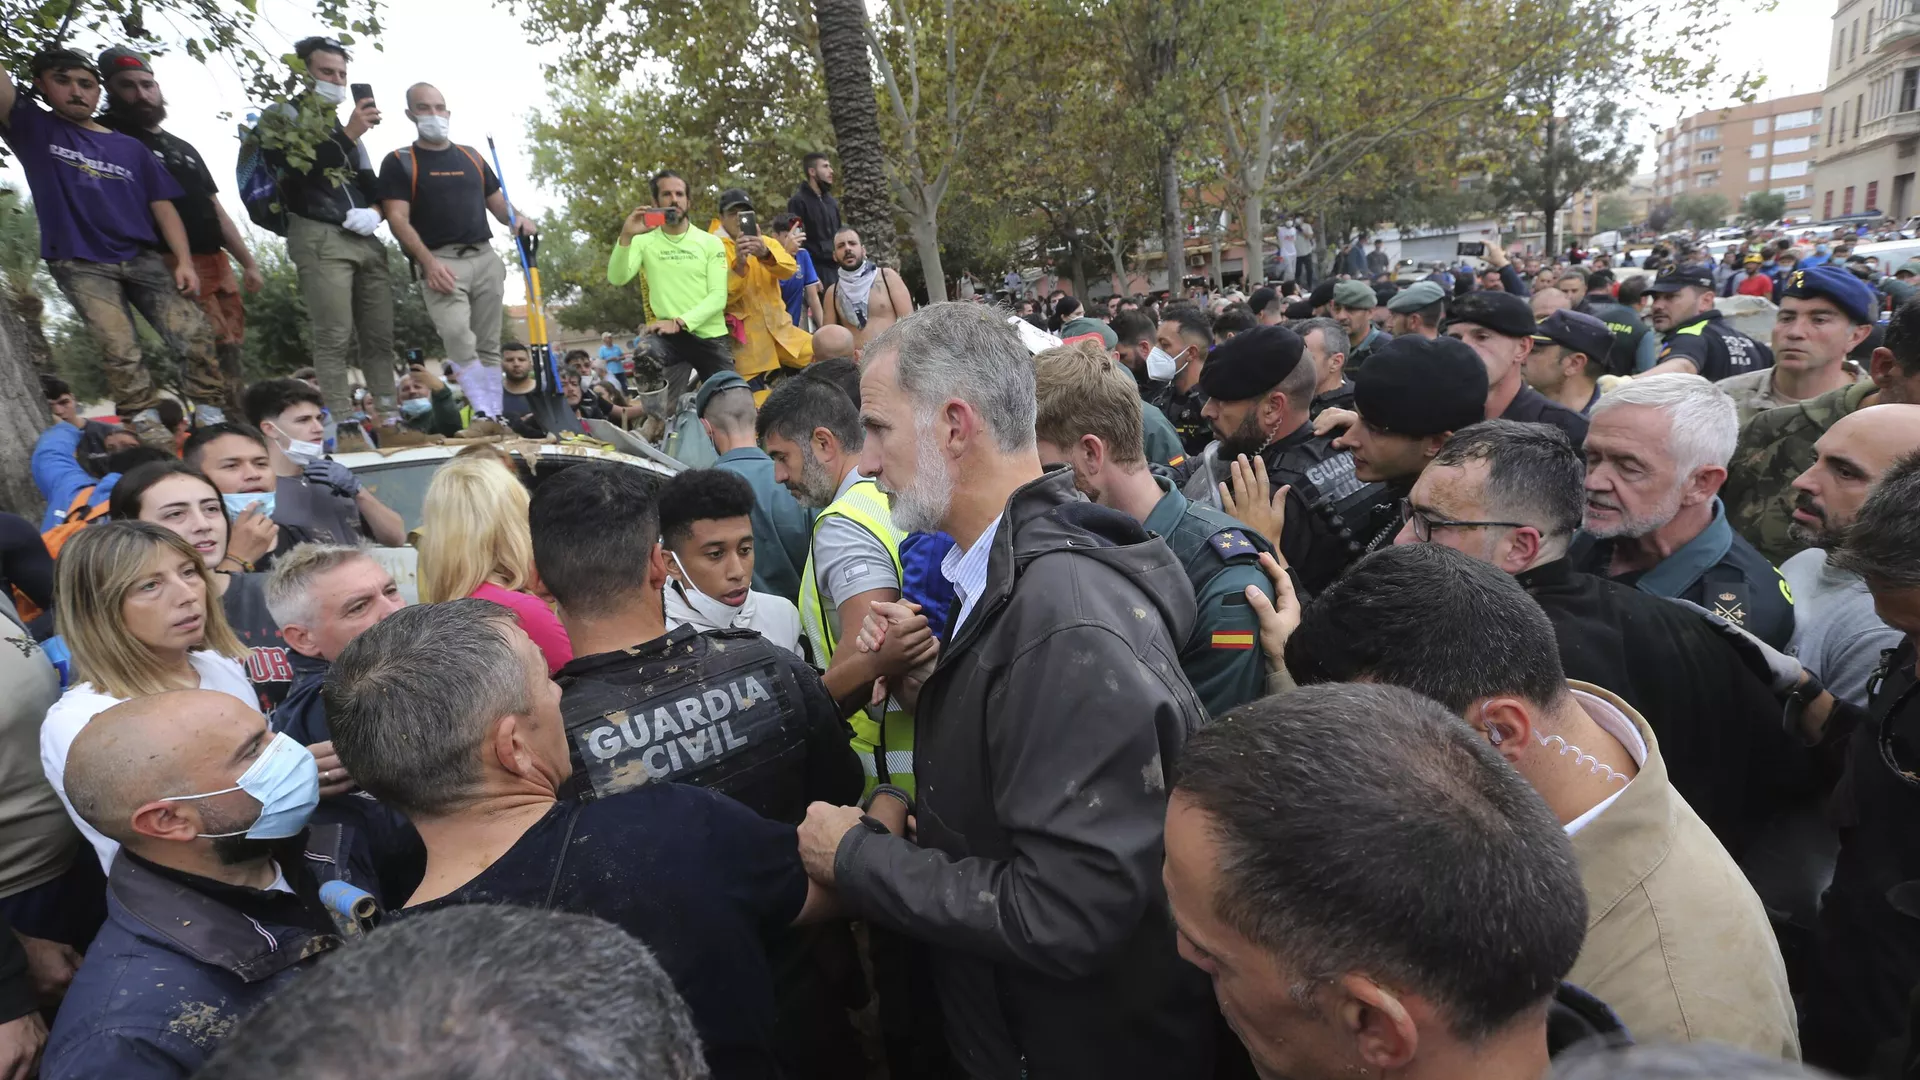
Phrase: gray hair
{"type": "Point", "coordinates": [1462, 856]}
{"type": "Point", "coordinates": [965, 351]}
{"type": "Point", "coordinates": [1676, 1061]}
{"type": "Point", "coordinates": [476, 992]}
{"type": "Point", "coordinates": [289, 590]}
{"type": "Point", "coordinates": [1534, 474]}
{"type": "Point", "coordinates": [412, 698]}
{"type": "Point", "coordinates": [1879, 545]}
{"type": "Point", "coordinates": [1703, 422]}
{"type": "Point", "coordinates": [1333, 336]}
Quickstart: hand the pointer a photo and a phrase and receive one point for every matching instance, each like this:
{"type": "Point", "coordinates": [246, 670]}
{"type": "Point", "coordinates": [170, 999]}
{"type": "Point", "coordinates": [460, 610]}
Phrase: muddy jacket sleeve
{"type": "Point", "coordinates": [1079, 792]}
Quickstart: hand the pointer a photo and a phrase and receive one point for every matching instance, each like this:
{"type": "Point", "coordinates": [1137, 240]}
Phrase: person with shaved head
{"type": "Point", "coordinates": [437, 194]}
{"type": "Point", "coordinates": [213, 902]}
{"type": "Point", "coordinates": [1836, 632]}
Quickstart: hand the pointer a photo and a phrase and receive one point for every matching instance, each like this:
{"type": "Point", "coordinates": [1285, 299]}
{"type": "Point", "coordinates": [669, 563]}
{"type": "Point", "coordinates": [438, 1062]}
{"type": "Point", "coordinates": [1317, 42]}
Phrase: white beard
{"type": "Point", "coordinates": [1638, 526]}
{"type": "Point", "coordinates": [923, 506]}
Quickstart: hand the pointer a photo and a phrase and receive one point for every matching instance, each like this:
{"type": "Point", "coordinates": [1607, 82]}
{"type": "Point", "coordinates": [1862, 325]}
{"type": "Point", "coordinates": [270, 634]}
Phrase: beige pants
{"type": "Point", "coordinates": [468, 319]}
{"type": "Point", "coordinates": [343, 277]}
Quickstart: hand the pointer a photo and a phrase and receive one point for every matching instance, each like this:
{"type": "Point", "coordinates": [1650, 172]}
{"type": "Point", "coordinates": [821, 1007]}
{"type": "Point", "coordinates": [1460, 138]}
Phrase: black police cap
{"type": "Point", "coordinates": [1500, 312]}
{"type": "Point", "coordinates": [1675, 278]}
{"type": "Point", "coordinates": [1250, 363]}
{"type": "Point", "coordinates": [1413, 386]}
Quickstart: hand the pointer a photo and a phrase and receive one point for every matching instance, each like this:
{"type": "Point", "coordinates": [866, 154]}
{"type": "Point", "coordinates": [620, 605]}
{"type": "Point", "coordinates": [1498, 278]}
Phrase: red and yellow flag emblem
{"type": "Point", "coordinates": [1233, 639]}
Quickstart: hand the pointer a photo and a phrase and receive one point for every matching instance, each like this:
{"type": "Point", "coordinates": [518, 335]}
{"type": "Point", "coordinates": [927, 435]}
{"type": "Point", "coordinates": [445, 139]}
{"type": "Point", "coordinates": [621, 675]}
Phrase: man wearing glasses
{"type": "Point", "coordinates": [1511, 494]}
{"type": "Point", "coordinates": [1410, 397]}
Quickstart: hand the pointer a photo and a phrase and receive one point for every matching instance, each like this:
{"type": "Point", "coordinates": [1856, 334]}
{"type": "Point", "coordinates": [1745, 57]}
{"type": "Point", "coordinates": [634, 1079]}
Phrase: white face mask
{"type": "Point", "coordinates": [299, 451]}
{"type": "Point", "coordinates": [717, 612]}
{"type": "Point", "coordinates": [329, 92]}
{"type": "Point", "coordinates": [1160, 366]}
{"type": "Point", "coordinates": [432, 128]}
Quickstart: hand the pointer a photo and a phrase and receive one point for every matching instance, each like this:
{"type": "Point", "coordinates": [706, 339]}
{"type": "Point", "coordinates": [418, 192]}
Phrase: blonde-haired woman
{"type": "Point", "coordinates": [475, 542]}
{"type": "Point", "coordinates": [133, 603]}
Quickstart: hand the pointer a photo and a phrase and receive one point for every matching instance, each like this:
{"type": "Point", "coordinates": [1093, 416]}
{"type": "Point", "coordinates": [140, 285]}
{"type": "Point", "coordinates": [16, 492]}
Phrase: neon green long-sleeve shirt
{"type": "Point", "coordinates": [686, 276]}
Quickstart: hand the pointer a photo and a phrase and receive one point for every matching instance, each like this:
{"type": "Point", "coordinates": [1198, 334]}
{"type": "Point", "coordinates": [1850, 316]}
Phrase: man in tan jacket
{"type": "Point", "coordinates": [1677, 942]}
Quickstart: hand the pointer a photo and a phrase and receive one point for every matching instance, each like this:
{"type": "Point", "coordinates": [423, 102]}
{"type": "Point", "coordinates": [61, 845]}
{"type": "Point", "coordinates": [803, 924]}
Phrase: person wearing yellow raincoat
{"type": "Point", "coordinates": [755, 268]}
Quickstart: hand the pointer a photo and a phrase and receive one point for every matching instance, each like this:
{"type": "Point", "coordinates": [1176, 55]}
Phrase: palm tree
{"type": "Point", "coordinates": [864, 196]}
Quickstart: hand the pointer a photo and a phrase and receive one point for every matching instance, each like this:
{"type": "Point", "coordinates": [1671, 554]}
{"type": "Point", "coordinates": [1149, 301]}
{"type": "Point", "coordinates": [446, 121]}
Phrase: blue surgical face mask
{"type": "Point", "coordinates": [286, 782]}
{"type": "Point", "coordinates": [415, 407]}
{"type": "Point", "coordinates": [238, 504]}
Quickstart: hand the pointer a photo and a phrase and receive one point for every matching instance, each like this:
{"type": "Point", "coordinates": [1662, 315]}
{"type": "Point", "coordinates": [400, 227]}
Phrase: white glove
{"type": "Point", "coordinates": [361, 220]}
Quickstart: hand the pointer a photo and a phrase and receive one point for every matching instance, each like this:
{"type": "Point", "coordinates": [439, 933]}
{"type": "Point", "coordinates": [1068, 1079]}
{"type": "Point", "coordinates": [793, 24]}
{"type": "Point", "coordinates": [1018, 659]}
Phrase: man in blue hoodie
{"type": "Point", "coordinates": [63, 479]}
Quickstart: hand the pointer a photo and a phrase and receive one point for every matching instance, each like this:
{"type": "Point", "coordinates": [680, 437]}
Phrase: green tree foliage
{"type": "Point", "coordinates": [1700, 210]}
{"type": "Point", "coordinates": [1614, 212]}
{"type": "Point", "coordinates": [1762, 207]}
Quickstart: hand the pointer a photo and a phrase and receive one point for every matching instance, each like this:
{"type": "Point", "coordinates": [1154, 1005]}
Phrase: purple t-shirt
{"type": "Point", "coordinates": [90, 188]}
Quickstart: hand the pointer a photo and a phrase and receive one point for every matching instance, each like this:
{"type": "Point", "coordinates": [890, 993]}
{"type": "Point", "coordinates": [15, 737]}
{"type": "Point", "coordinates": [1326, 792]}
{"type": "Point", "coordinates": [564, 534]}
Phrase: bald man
{"type": "Point", "coordinates": [1836, 634]}
{"type": "Point", "coordinates": [1546, 301]}
{"type": "Point", "coordinates": [213, 901]}
{"type": "Point", "coordinates": [834, 341]}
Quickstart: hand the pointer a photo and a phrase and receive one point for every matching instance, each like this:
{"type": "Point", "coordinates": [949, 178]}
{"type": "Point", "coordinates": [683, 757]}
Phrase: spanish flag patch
{"type": "Point", "coordinates": [1175, 463]}
{"type": "Point", "coordinates": [1233, 639]}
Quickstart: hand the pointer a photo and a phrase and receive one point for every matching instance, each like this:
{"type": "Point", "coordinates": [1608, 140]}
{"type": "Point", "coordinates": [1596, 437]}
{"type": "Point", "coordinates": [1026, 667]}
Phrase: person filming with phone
{"type": "Point", "coordinates": [683, 272]}
{"type": "Point", "coordinates": [332, 211]}
{"type": "Point", "coordinates": [755, 269]}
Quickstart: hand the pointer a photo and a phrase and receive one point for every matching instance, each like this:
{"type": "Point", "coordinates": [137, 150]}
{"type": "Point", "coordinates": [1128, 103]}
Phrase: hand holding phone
{"type": "Point", "coordinates": [749, 223]}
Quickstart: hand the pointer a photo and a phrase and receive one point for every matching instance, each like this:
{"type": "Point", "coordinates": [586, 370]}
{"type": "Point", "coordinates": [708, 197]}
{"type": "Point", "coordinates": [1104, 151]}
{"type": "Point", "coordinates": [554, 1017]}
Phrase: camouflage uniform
{"type": "Point", "coordinates": [1775, 447]}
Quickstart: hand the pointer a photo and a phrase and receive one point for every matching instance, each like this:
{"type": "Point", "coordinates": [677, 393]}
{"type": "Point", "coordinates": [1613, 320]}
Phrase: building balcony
{"type": "Point", "coordinates": [1902, 27]}
{"type": "Point", "coordinates": [1891, 126]}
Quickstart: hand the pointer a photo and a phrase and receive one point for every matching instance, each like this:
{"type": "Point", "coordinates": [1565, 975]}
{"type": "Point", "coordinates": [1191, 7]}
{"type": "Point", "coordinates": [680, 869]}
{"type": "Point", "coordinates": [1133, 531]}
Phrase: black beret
{"type": "Point", "coordinates": [1300, 309]}
{"type": "Point", "coordinates": [1413, 386]}
{"type": "Point", "coordinates": [1250, 363]}
{"type": "Point", "coordinates": [1500, 312]}
{"type": "Point", "coordinates": [1322, 294]}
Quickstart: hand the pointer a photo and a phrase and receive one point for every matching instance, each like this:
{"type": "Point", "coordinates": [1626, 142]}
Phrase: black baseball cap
{"type": "Point", "coordinates": [61, 60]}
{"type": "Point", "coordinates": [1675, 278]}
{"type": "Point", "coordinates": [1578, 332]}
{"type": "Point", "coordinates": [734, 197]}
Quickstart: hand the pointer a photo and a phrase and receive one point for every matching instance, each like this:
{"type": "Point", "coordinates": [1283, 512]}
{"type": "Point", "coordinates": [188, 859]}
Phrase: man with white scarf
{"type": "Point", "coordinates": [853, 301]}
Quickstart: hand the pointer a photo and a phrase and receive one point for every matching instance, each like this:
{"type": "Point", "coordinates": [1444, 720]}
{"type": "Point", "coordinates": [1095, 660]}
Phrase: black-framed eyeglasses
{"type": "Point", "coordinates": [1424, 523]}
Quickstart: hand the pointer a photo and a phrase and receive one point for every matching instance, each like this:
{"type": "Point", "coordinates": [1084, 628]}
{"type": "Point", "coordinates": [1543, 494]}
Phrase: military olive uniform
{"type": "Point", "coordinates": [1163, 444]}
{"type": "Point", "coordinates": [1221, 658]}
{"type": "Point", "coordinates": [1775, 447]}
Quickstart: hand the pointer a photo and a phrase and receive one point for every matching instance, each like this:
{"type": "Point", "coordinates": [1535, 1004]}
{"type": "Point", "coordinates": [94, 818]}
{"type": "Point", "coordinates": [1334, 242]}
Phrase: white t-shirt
{"type": "Point", "coordinates": [773, 617]}
{"type": "Point", "coordinates": [81, 703]}
{"type": "Point", "coordinates": [1287, 250]}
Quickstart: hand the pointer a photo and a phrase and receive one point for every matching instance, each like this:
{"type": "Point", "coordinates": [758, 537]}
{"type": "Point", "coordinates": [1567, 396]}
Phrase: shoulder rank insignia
{"type": "Point", "coordinates": [1232, 542]}
{"type": "Point", "coordinates": [1730, 607]}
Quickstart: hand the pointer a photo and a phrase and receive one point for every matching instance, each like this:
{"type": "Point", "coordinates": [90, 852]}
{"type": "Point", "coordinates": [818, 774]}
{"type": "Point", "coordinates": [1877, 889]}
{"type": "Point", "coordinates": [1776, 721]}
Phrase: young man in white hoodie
{"type": "Point", "coordinates": [707, 530]}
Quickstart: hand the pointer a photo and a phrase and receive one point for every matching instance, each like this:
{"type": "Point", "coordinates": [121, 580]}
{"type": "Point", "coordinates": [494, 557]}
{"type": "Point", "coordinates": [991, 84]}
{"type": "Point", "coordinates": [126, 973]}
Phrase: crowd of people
{"type": "Point", "coordinates": [1466, 677]}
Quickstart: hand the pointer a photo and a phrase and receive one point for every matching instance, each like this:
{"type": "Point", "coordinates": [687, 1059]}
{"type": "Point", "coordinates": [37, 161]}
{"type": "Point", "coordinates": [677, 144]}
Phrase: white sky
{"type": "Point", "coordinates": [479, 57]}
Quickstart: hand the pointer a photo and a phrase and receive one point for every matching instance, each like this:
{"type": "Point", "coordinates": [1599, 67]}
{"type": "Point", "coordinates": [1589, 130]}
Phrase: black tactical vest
{"type": "Point", "coordinates": [719, 709]}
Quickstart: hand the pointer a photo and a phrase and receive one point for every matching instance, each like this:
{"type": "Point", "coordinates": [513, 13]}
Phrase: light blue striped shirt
{"type": "Point", "coordinates": [967, 571]}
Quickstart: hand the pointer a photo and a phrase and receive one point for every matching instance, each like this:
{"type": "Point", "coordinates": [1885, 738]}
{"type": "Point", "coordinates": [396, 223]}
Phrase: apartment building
{"type": "Point", "coordinates": [1766, 146]}
{"type": "Point", "coordinates": [1867, 141]}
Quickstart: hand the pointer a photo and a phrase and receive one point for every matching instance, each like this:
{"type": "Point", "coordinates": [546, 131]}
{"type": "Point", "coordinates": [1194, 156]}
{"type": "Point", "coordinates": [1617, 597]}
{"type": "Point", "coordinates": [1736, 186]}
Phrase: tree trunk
{"type": "Point", "coordinates": [23, 416]}
{"type": "Point", "coordinates": [1213, 245]}
{"type": "Point", "coordinates": [925, 230]}
{"type": "Point", "coordinates": [1254, 265]}
{"type": "Point", "coordinates": [848, 73]}
{"type": "Point", "coordinates": [1172, 236]}
{"type": "Point", "coordinates": [1553, 185]}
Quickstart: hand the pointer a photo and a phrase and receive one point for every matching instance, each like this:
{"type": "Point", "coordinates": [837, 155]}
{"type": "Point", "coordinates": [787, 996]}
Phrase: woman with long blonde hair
{"type": "Point", "coordinates": [475, 542]}
{"type": "Point", "coordinates": [133, 602]}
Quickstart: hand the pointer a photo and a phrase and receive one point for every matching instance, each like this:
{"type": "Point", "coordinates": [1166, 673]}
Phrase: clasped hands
{"type": "Point", "coordinates": [904, 651]}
